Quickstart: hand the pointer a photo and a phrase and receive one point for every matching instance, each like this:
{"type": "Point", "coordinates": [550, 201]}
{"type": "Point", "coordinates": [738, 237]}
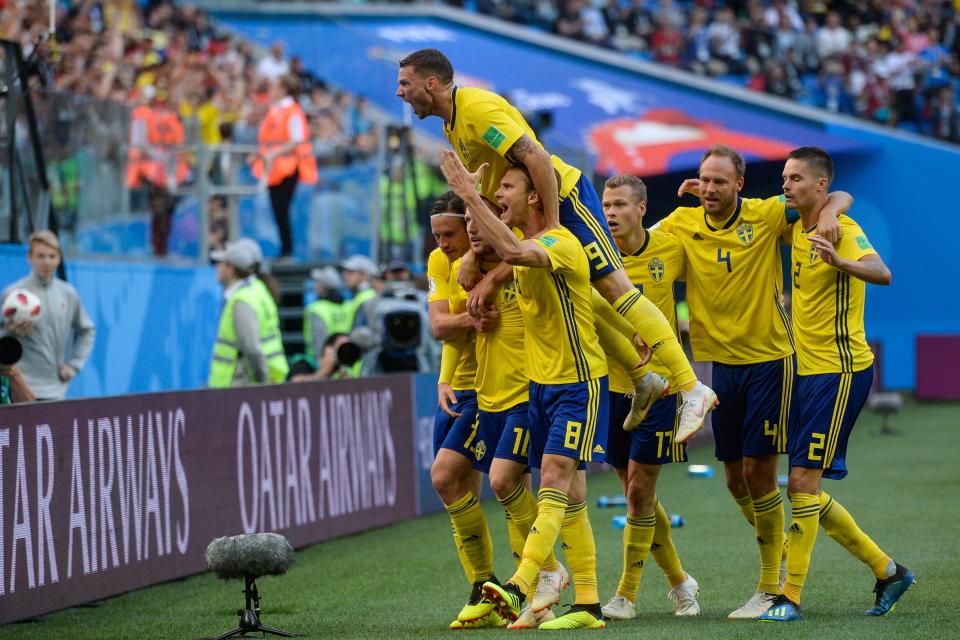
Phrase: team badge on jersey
{"type": "Point", "coordinates": [656, 269]}
{"type": "Point", "coordinates": [480, 450]}
{"type": "Point", "coordinates": [509, 292]}
{"type": "Point", "coordinates": [745, 232]}
{"type": "Point", "coordinates": [813, 254]}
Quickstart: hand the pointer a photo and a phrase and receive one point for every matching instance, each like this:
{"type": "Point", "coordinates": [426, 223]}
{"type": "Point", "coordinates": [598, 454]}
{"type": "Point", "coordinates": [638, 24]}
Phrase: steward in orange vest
{"type": "Point", "coordinates": [155, 130]}
{"type": "Point", "coordinates": [286, 154]}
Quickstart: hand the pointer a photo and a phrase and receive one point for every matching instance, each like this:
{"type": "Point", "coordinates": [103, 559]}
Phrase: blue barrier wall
{"type": "Point", "coordinates": [155, 323]}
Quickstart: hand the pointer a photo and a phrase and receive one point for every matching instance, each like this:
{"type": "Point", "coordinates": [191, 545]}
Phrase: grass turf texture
{"type": "Point", "coordinates": [404, 581]}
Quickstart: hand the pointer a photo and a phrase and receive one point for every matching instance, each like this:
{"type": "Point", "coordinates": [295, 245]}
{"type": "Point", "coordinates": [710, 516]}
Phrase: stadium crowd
{"type": "Point", "coordinates": [893, 62]}
{"type": "Point", "coordinates": [115, 49]}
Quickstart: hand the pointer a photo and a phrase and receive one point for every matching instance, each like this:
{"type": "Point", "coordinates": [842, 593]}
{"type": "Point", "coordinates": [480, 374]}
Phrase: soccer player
{"type": "Point", "coordinates": [835, 367]}
{"type": "Point", "coordinates": [483, 128]}
{"type": "Point", "coordinates": [654, 261]}
{"type": "Point", "coordinates": [453, 475]}
{"type": "Point", "coordinates": [568, 383]}
{"type": "Point", "coordinates": [734, 279]}
{"type": "Point", "coordinates": [503, 439]}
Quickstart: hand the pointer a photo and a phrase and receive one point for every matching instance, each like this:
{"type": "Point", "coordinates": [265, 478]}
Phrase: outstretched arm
{"type": "Point", "coordinates": [537, 161]}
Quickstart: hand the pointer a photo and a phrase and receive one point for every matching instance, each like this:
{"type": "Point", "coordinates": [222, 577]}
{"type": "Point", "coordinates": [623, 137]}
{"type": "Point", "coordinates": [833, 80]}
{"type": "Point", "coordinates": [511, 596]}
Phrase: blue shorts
{"type": "Point", "coordinates": [502, 434]}
{"type": "Point", "coordinates": [457, 434]}
{"type": "Point", "coordinates": [652, 441]}
{"type": "Point", "coordinates": [827, 408]}
{"type": "Point", "coordinates": [569, 420]}
{"type": "Point", "coordinates": [582, 213]}
{"type": "Point", "coordinates": [754, 413]}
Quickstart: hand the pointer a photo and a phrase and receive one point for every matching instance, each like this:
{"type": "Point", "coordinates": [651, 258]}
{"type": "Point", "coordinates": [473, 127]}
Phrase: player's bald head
{"type": "Point", "coordinates": [430, 62]}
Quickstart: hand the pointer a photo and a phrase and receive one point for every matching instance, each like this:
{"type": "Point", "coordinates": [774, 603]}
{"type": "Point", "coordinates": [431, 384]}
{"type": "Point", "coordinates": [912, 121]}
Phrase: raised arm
{"type": "Point", "coordinates": [537, 161]}
{"type": "Point", "coordinates": [527, 253]}
{"type": "Point", "coordinates": [445, 325]}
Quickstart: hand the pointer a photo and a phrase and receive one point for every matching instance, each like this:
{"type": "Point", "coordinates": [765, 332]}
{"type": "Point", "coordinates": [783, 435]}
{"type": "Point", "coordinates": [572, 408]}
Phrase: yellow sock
{"type": "Point", "coordinates": [581, 551]}
{"type": "Point", "coordinates": [663, 550]}
{"type": "Point", "coordinates": [804, 522]}
{"type": "Point", "coordinates": [543, 534]}
{"type": "Point", "coordinates": [637, 539]}
{"type": "Point", "coordinates": [768, 523]}
{"type": "Point", "coordinates": [745, 504]}
{"type": "Point", "coordinates": [521, 511]}
{"type": "Point", "coordinates": [471, 526]}
{"type": "Point", "coordinates": [840, 525]}
{"type": "Point", "coordinates": [464, 561]}
{"type": "Point", "coordinates": [654, 329]}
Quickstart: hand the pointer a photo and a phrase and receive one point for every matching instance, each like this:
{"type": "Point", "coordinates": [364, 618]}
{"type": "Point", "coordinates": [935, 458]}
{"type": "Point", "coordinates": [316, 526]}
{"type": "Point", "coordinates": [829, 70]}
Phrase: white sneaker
{"type": "Point", "coordinates": [549, 586]}
{"type": "Point", "coordinates": [619, 608]}
{"type": "Point", "coordinates": [650, 389]}
{"type": "Point", "coordinates": [754, 607]}
{"type": "Point", "coordinates": [684, 597]}
{"type": "Point", "coordinates": [530, 620]}
{"type": "Point", "coordinates": [697, 403]}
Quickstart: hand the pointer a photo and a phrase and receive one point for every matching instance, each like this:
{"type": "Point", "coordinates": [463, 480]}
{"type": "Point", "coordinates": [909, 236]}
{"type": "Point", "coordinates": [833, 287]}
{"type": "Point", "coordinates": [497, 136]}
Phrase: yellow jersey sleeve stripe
{"type": "Point", "coordinates": [570, 323]}
{"type": "Point", "coordinates": [611, 252]}
{"type": "Point", "coordinates": [842, 326]}
{"type": "Point", "coordinates": [836, 424]}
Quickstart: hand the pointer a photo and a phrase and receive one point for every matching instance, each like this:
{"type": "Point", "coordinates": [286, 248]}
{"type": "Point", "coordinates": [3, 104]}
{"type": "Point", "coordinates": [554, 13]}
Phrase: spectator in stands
{"type": "Point", "coordinates": [943, 115]}
{"type": "Point", "coordinates": [56, 346]}
{"type": "Point", "coordinates": [273, 65]}
{"type": "Point", "coordinates": [329, 313]}
{"type": "Point", "coordinates": [725, 42]}
{"type": "Point", "coordinates": [899, 67]}
{"type": "Point", "coordinates": [286, 156]}
{"type": "Point", "coordinates": [832, 39]}
{"type": "Point", "coordinates": [248, 349]}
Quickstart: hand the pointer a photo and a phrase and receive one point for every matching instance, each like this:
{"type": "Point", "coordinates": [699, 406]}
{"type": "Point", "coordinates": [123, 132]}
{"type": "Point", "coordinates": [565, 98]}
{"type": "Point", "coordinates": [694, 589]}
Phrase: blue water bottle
{"type": "Point", "coordinates": [612, 501]}
{"type": "Point", "coordinates": [676, 520]}
{"type": "Point", "coordinates": [619, 522]}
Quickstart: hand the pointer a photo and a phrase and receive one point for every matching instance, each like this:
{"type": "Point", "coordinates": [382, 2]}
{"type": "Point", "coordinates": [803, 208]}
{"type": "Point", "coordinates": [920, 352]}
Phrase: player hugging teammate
{"type": "Point", "coordinates": [550, 302]}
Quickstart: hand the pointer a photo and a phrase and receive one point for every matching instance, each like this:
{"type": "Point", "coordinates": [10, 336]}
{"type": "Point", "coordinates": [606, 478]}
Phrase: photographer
{"type": "Point", "coordinates": [337, 361]}
{"type": "Point", "coordinates": [13, 386]}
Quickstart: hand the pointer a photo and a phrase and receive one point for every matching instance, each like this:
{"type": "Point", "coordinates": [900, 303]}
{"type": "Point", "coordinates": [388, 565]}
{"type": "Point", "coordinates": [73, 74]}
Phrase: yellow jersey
{"type": "Point", "coordinates": [557, 305]}
{"type": "Point", "coordinates": [734, 281]}
{"type": "Point", "coordinates": [653, 269]}
{"type": "Point", "coordinates": [438, 276]}
{"type": "Point", "coordinates": [482, 128]}
{"type": "Point", "coordinates": [828, 305]}
{"type": "Point", "coordinates": [465, 376]}
{"type": "Point", "coordinates": [501, 375]}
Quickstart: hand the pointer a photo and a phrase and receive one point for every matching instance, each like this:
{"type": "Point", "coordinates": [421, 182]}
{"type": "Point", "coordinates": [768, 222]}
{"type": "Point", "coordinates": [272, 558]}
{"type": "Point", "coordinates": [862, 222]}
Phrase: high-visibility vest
{"type": "Point", "coordinates": [274, 133]}
{"type": "Point", "coordinates": [226, 352]}
{"type": "Point", "coordinates": [357, 301]}
{"type": "Point", "coordinates": [165, 131]}
{"type": "Point", "coordinates": [337, 316]}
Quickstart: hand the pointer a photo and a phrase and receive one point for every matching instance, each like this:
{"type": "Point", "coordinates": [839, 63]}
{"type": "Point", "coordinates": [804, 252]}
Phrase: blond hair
{"type": "Point", "coordinates": [44, 237]}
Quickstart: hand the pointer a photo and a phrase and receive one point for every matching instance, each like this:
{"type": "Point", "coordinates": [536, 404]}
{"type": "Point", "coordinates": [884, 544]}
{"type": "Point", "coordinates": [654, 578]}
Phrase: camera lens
{"type": "Point", "coordinates": [10, 350]}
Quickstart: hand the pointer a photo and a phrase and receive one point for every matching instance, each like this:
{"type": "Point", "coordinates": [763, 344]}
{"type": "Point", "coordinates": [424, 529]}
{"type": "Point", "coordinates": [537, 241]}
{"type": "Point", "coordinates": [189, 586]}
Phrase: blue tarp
{"type": "Point", "coordinates": [624, 121]}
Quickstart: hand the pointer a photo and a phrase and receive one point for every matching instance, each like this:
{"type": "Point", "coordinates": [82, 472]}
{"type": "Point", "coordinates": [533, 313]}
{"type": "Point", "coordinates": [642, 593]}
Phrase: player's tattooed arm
{"type": "Point", "coordinates": [537, 162]}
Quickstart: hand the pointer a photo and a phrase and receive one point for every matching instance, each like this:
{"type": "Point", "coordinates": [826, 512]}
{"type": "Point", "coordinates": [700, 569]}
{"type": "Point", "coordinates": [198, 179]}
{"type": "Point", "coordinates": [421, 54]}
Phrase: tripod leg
{"type": "Point", "coordinates": [278, 632]}
{"type": "Point", "coordinates": [233, 633]}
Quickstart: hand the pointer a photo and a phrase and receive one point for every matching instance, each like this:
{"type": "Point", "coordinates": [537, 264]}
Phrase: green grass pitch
{"type": "Point", "coordinates": [404, 581]}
